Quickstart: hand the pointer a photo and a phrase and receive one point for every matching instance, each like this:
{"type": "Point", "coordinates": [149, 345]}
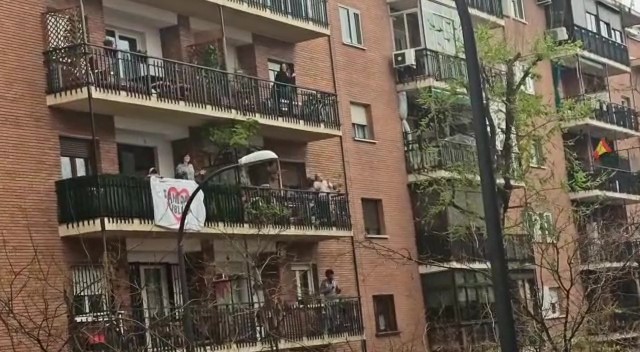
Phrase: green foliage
{"type": "Point", "coordinates": [233, 135]}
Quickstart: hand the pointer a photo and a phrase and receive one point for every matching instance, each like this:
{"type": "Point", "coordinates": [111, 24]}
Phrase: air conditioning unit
{"type": "Point", "coordinates": [544, 2]}
{"type": "Point", "coordinates": [404, 58]}
{"type": "Point", "coordinates": [558, 34]}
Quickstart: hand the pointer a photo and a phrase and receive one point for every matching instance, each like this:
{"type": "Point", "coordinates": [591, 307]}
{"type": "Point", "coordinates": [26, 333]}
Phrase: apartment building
{"type": "Point", "coordinates": [102, 91]}
{"type": "Point", "coordinates": [427, 43]}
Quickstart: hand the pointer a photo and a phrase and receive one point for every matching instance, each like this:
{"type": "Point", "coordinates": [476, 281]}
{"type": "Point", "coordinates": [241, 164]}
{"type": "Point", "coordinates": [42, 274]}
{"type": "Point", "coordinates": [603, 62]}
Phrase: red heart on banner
{"type": "Point", "coordinates": [176, 201]}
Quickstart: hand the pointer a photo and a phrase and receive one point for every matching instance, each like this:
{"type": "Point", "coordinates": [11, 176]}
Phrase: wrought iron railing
{"type": "Point", "coordinates": [173, 82]}
{"type": "Point", "coordinates": [600, 45]}
{"type": "Point", "coordinates": [466, 249]}
{"type": "Point", "coordinates": [492, 7]}
{"type": "Point", "coordinates": [424, 155]}
{"type": "Point", "coordinates": [609, 250]}
{"type": "Point", "coordinates": [126, 199]}
{"type": "Point", "coordinates": [313, 11]}
{"type": "Point", "coordinates": [219, 326]}
{"type": "Point", "coordinates": [433, 64]}
{"type": "Point", "coordinates": [607, 179]}
{"type": "Point", "coordinates": [617, 115]}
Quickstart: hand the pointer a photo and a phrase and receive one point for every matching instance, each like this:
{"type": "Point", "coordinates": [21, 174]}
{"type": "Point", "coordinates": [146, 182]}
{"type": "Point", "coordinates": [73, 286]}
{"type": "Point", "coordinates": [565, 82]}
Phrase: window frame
{"type": "Point", "coordinates": [367, 127]}
{"type": "Point", "coordinates": [74, 157]}
{"type": "Point", "coordinates": [87, 292]}
{"type": "Point", "coordinates": [537, 158]}
{"type": "Point", "coordinates": [539, 225]}
{"type": "Point", "coordinates": [407, 37]}
{"type": "Point", "coordinates": [389, 308]}
{"type": "Point", "coordinates": [605, 24]}
{"type": "Point", "coordinates": [352, 33]}
{"type": "Point", "coordinates": [516, 14]}
{"type": "Point", "coordinates": [529, 85]}
{"type": "Point", "coordinates": [299, 269]}
{"type": "Point", "coordinates": [379, 217]}
{"type": "Point", "coordinates": [617, 36]}
{"type": "Point", "coordinates": [592, 22]}
{"type": "Point", "coordinates": [549, 300]}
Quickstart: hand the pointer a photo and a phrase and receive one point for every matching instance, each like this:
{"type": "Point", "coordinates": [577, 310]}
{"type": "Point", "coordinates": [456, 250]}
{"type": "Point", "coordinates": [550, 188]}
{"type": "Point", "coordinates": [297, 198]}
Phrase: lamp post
{"type": "Point", "coordinates": [499, 267]}
{"type": "Point", "coordinates": [250, 159]}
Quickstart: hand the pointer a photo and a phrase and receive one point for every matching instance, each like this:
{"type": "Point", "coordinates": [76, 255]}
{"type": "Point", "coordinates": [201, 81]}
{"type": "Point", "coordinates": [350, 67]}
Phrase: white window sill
{"type": "Point", "coordinates": [372, 141]}
{"type": "Point", "coordinates": [377, 237]}
{"type": "Point", "coordinates": [357, 46]}
{"type": "Point", "coordinates": [550, 317]}
{"type": "Point", "coordinates": [523, 21]}
{"type": "Point", "coordinates": [539, 167]}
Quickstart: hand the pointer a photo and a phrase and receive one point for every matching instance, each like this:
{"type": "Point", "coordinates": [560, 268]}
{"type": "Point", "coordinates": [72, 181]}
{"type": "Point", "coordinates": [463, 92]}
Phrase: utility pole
{"type": "Point", "coordinates": [499, 267]}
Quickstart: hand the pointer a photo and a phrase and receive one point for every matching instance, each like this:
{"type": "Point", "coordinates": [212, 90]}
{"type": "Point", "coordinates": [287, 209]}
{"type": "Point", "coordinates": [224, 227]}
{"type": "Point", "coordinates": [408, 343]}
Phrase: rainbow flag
{"type": "Point", "coordinates": [601, 149]}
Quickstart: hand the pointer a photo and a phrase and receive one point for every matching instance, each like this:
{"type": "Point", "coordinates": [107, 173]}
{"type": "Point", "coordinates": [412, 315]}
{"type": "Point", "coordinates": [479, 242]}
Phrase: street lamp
{"type": "Point", "coordinates": [499, 267]}
{"type": "Point", "coordinates": [247, 160]}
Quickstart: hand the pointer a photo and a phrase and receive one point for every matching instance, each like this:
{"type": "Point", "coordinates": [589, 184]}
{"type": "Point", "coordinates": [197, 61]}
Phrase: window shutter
{"type": "Point", "coordinates": [316, 278]}
{"type": "Point", "coordinates": [75, 147]}
{"type": "Point", "coordinates": [359, 114]}
{"type": "Point", "coordinates": [547, 227]}
{"type": "Point", "coordinates": [345, 25]}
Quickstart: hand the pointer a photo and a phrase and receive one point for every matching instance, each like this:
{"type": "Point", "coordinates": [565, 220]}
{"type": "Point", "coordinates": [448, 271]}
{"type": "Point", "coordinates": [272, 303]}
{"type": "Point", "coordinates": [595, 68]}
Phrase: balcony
{"type": "Point", "coordinates": [432, 67]}
{"type": "Point", "coordinates": [124, 83]}
{"type": "Point", "coordinates": [473, 249]}
{"type": "Point", "coordinates": [609, 120]}
{"type": "Point", "coordinates": [232, 327]}
{"type": "Point", "coordinates": [287, 20]}
{"type": "Point", "coordinates": [601, 49]}
{"type": "Point", "coordinates": [613, 185]}
{"type": "Point", "coordinates": [127, 206]}
{"type": "Point", "coordinates": [444, 158]}
{"type": "Point", "coordinates": [490, 7]}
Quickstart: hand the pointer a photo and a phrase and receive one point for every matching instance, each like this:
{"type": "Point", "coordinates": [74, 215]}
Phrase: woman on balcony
{"type": "Point", "coordinates": [285, 92]}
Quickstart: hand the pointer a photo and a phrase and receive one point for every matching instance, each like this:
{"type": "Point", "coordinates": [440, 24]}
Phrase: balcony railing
{"type": "Point", "coordinates": [615, 321]}
{"type": "Point", "coordinates": [220, 326]}
{"type": "Point", "coordinates": [602, 178]}
{"type": "Point", "coordinates": [609, 251]}
{"type": "Point", "coordinates": [441, 248]}
{"type": "Point", "coordinates": [172, 82]}
{"type": "Point", "coordinates": [312, 11]}
{"type": "Point", "coordinates": [439, 155]}
{"type": "Point", "coordinates": [617, 115]}
{"type": "Point", "coordinates": [433, 64]}
{"type": "Point", "coordinates": [492, 7]}
{"type": "Point", "coordinates": [600, 45]}
{"type": "Point", "coordinates": [126, 199]}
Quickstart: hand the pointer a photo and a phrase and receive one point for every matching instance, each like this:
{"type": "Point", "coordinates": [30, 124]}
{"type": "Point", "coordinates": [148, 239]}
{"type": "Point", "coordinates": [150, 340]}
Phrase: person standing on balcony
{"type": "Point", "coordinates": [330, 290]}
{"type": "Point", "coordinates": [285, 80]}
{"type": "Point", "coordinates": [185, 170]}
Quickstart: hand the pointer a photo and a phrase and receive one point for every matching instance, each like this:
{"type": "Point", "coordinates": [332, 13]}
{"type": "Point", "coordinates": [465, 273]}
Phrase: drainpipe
{"type": "Point", "coordinates": [363, 343]}
{"type": "Point", "coordinates": [96, 158]}
{"type": "Point", "coordinates": [224, 39]}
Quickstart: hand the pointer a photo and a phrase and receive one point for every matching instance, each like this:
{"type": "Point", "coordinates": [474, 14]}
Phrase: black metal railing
{"type": "Point", "coordinates": [312, 11]}
{"type": "Point", "coordinates": [607, 179]}
{"type": "Point", "coordinates": [492, 7]}
{"type": "Point", "coordinates": [609, 250]}
{"type": "Point", "coordinates": [433, 64]}
{"type": "Point", "coordinates": [172, 82]}
{"type": "Point", "coordinates": [615, 321]}
{"type": "Point", "coordinates": [126, 199]}
{"type": "Point", "coordinates": [443, 248]}
{"type": "Point", "coordinates": [424, 155]}
{"type": "Point", "coordinates": [617, 115]}
{"type": "Point", "coordinates": [220, 325]}
{"type": "Point", "coordinates": [600, 45]}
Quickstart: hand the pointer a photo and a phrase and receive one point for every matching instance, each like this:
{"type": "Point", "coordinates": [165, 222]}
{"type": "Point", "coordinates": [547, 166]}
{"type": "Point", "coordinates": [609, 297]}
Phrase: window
{"type": "Point", "coordinates": [617, 36]}
{"type": "Point", "coordinates": [540, 226]}
{"type": "Point", "coordinates": [406, 30]}
{"type": "Point", "coordinates": [74, 157]}
{"type": "Point", "coordinates": [626, 101]}
{"type": "Point", "coordinates": [592, 22]}
{"type": "Point", "coordinates": [605, 29]}
{"type": "Point", "coordinates": [372, 214]}
{"type": "Point", "coordinates": [294, 174]}
{"type": "Point", "coordinates": [551, 302]}
{"type": "Point", "coordinates": [517, 9]}
{"type": "Point", "coordinates": [385, 312]}
{"type": "Point", "coordinates": [361, 121]}
{"type": "Point", "coordinates": [88, 291]}
{"type": "Point", "coordinates": [351, 26]}
{"type": "Point", "coordinates": [528, 86]}
{"type": "Point", "coordinates": [304, 280]}
{"type": "Point", "coordinates": [136, 160]}
{"type": "Point", "coordinates": [443, 34]}
{"type": "Point", "coordinates": [537, 157]}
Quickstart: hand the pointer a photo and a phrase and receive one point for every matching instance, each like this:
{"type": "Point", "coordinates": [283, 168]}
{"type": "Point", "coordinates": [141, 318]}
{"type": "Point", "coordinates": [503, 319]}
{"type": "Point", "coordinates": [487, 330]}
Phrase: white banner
{"type": "Point", "coordinates": [169, 196]}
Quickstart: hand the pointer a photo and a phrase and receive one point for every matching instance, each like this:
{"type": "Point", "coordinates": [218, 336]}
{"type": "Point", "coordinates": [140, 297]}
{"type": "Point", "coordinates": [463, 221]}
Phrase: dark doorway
{"type": "Point", "coordinates": [135, 160]}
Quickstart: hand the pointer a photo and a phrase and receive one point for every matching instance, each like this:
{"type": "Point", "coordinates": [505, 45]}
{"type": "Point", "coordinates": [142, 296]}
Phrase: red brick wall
{"type": "Point", "coordinates": [175, 39]}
